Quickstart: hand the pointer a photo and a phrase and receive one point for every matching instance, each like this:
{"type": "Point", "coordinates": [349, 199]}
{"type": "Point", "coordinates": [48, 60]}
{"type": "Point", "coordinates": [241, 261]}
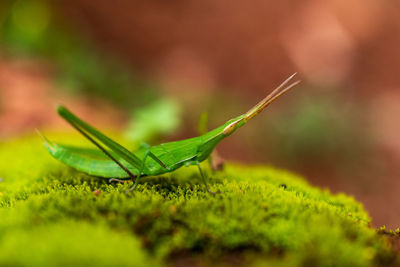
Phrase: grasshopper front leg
{"type": "Point", "coordinates": [148, 153]}
{"type": "Point", "coordinates": [205, 180]}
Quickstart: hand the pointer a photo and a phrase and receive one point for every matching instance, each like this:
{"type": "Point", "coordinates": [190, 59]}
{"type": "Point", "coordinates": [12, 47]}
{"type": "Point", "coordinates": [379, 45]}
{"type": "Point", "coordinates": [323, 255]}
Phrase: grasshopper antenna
{"type": "Point", "coordinates": [278, 92]}
{"type": "Point", "coordinates": [282, 89]}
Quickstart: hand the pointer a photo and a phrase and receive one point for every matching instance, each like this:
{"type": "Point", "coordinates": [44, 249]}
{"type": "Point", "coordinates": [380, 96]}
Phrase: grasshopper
{"type": "Point", "coordinates": [118, 163]}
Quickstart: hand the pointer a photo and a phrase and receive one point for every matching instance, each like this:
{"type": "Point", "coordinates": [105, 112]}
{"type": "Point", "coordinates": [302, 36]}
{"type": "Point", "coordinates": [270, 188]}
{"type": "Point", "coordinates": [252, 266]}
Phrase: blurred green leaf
{"type": "Point", "coordinates": [161, 118]}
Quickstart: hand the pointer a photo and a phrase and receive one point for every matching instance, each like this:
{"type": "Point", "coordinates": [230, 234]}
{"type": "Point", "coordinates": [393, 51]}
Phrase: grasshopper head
{"type": "Point", "coordinates": [233, 125]}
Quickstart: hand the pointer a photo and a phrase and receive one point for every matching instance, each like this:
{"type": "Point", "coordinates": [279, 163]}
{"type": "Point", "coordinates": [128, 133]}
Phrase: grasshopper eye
{"type": "Point", "coordinates": [229, 129]}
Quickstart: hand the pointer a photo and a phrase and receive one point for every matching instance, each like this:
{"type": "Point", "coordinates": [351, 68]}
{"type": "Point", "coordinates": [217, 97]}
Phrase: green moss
{"type": "Point", "coordinates": [50, 215]}
{"type": "Point", "coordinates": [69, 244]}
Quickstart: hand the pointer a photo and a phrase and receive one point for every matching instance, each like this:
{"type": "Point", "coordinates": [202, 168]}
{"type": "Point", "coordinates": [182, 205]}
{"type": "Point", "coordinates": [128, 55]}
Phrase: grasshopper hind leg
{"type": "Point", "coordinates": [205, 181]}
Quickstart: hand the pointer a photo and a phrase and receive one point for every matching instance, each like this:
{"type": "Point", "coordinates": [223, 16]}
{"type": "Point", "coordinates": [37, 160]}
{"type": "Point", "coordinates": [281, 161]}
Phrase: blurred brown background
{"type": "Point", "coordinates": [103, 59]}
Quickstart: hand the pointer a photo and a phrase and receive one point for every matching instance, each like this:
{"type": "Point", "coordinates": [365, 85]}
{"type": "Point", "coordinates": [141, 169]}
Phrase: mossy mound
{"type": "Point", "coordinates": [53, 215]}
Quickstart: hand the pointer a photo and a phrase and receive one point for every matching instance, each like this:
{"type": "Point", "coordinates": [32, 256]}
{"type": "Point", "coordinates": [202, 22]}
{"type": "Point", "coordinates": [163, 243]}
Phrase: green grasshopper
{"type": "Point", "coordinates": [116, 162]}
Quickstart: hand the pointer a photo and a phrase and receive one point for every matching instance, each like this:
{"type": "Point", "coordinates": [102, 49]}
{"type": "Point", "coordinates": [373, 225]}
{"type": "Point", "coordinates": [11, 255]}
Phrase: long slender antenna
{"type": "Point", "coordinates": [284, 91]}
{"type": "Point", "coordinates": [262, 104]}
{"type": "Point", "coordinates": [271, 97]}
{"type": "Point", "coordinates": [280, 87]}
